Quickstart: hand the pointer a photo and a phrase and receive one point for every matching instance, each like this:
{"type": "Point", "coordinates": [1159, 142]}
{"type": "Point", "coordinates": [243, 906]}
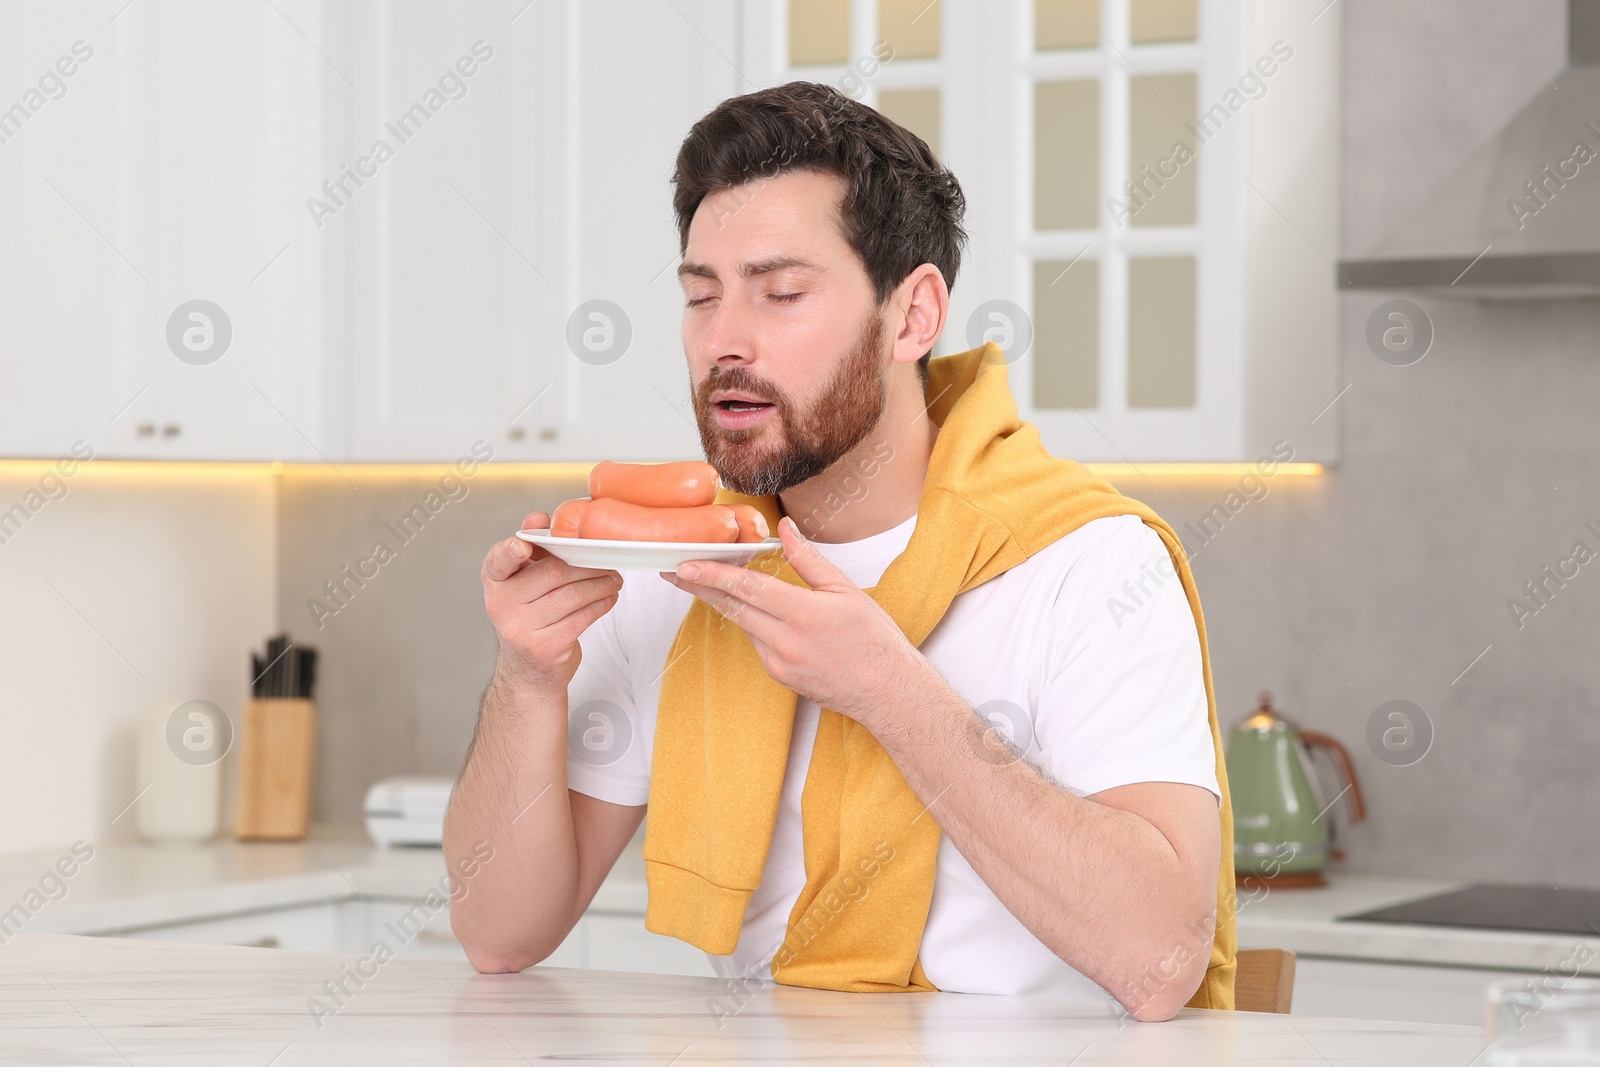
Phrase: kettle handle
{"type": "Point", "coordinates": [1341, 759]}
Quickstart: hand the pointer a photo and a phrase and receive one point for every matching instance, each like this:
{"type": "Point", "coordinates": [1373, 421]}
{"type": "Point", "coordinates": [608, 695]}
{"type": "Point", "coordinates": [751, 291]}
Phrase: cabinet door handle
{"type": "Point", "coordinates": [269, 941]}
{"type": "Point", "coordinates": [146, 429]}
{"type": "Point", "coordinates": [171, 429]}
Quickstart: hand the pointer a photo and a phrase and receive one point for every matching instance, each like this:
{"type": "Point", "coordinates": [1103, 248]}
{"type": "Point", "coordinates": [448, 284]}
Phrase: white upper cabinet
{"type": "Point", "coordinates": [510, 273]}
{"type": "Point", "coordinates": [645, 73]}
{"type": "Point", "coordinates": [368, 231]}
{"type": "Point", "coordinates": [445, 206]}
{"type": "Point", "coordinates": [155, 301]}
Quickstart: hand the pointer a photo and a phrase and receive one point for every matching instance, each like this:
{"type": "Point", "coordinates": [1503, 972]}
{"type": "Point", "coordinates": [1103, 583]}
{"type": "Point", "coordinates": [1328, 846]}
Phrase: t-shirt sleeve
{"type": "Point", "coordinates": [607, 756]}
{"type": "Point", "coordinates": [1123, 696]}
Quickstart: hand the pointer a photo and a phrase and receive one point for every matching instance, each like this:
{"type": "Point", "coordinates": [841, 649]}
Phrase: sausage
{"type": "Point", "coordinates": [607, 518]}
{"type": "Point", "coordinates": [655, 485]}
{"type": "Point", "coordinates": [564, 523]}
{"type": "Point", "coordinates": [752, 524]}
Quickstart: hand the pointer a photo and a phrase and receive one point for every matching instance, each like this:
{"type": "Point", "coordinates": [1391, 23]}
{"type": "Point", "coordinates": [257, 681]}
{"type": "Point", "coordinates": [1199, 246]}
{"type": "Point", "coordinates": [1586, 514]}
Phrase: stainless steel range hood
{"type": "Point", "coordinates": [1521, 220]}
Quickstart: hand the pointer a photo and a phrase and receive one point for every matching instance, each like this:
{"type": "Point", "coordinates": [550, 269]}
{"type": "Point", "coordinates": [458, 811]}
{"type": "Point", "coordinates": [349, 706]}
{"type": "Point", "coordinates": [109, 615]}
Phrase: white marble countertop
{"type": "Point", "coordinates": [111, 1001]}
{"type": "Point", "coordinates": [1303, 920]}
{"type": "Point", "coordinates": [130, 886]}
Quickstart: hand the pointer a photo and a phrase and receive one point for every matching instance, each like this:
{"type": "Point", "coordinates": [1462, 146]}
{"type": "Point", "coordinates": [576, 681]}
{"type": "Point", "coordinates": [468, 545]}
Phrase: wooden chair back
{"type": "Point", "coordinates": [1263, 980]}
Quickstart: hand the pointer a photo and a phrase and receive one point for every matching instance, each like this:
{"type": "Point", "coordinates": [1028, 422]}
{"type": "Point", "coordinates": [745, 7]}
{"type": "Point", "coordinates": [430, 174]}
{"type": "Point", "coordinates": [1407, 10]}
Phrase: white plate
{"type": "Point", "coordinates": [644, 555]}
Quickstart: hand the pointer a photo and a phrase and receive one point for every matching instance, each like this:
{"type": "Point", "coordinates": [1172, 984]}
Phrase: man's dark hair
{"type": "Point", "coordinates": [901, 207]}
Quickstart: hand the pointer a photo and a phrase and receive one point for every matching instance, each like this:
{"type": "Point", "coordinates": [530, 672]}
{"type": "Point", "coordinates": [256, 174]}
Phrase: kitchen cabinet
{"type": "Point", "coordinates": [339, 893]}
{"type": "Point", "coordinates": [510, 270]}
{"type": "Point", "coordinates": [394, 921]}
{"type": "Point", "coordinates": [618, 941]}
{"type": "Point", "coordinates": [215, 260]}
{"type": "Point", "coordinates": [420, 227]}
{"type": "Point", "coordinates": [1361, 989]}
{"type": "Point", "coordinates": [453, 250]}
{"type": "Point", "coordinates": [1151, 202]}
{"type": "Point", "coordinates": [1196, 324]}
{"type": "Point", "coordinates": [600, 941]}
{"type": "Point", "coordinates": [1349, 967]}
{"type": "Point", "coordinates": [621, 943]}
{"type": "Point", "coordinates": [312, 928]}
{"type": "Point", "coordinates": [155, 299]}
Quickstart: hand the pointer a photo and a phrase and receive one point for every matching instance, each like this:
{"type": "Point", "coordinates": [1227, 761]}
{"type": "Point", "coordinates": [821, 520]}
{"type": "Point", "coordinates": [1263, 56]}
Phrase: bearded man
{"type": "Point", "coordinates": [913, 750]}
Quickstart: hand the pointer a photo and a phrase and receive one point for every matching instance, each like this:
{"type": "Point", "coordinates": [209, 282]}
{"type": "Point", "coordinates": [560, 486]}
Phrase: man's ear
{"type": "Point", "coordinates": [921, 303]}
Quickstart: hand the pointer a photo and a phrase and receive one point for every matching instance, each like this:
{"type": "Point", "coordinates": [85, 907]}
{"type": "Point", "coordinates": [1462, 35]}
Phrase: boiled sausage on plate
{"type": "Point", "coordinates": [564, 523]}
{"type": "Point", "coordinates": [752, 524]}
{"type": "Point", "coordinates": [657, 502]}
{"type": "Point", "coordinates": [610, 519]}
{"type": "Point", "coordinates": [655, 485]}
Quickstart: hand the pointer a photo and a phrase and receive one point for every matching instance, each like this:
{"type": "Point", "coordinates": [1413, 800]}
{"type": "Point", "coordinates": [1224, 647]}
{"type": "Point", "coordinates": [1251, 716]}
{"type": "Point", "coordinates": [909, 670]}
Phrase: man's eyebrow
{"type": "Point", "coordinates": [750, 269]}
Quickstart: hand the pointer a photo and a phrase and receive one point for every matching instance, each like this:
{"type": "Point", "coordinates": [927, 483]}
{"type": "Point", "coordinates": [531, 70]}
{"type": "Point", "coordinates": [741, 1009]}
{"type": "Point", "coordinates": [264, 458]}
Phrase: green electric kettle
{"type": "Point", "coordinates": [1281, 832]}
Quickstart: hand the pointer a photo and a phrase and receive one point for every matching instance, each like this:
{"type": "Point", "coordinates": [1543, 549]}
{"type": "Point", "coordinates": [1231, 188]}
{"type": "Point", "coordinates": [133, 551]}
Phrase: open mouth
{"type": "Point", "coordinates": [737, 406]}
{"type": "Point", "coordinates": [742, 413]}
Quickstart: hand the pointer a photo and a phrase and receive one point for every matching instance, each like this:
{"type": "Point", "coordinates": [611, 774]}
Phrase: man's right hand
{"type": "Point", "coordinates": [552, 846]}
{"type": "Point", "coordinates": [539, 605]}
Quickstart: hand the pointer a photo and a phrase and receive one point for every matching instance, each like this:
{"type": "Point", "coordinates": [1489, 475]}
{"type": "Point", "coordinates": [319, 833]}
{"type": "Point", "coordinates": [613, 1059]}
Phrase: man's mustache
{"type": "Point", "coordinates": [737, 383]}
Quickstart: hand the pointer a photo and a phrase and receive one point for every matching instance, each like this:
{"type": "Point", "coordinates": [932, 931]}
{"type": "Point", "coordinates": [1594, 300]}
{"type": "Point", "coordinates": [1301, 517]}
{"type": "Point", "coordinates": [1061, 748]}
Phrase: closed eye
{"type": "Point", "coordinates": [786, 297]}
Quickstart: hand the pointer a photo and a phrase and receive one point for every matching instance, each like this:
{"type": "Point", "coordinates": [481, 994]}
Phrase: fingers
{"type": "Point", "coordinates": [546, 639]}
{"type": "Point", "coordinates": [570, 626]}
{"type": "Point", "coordinates": [508, 557]}
{"type": "Point", "coordinates": [529, 623]}
{"type": "Point", "coordinates": [737, 583]}
{"type": "Point", "coordinates": [807, 561]}
{"type": "Point", "coordinates": [572, 596]}
{"type": "Point", "coordinates": [754, 621]}
{"type": "Point", "coordinates": [539, 605]}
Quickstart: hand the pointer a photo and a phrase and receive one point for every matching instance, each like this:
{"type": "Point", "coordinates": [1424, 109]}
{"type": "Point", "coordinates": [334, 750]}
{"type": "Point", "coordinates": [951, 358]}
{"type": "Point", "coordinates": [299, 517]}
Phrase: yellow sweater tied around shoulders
{"type": "Point", "coordinates": [992, 498]}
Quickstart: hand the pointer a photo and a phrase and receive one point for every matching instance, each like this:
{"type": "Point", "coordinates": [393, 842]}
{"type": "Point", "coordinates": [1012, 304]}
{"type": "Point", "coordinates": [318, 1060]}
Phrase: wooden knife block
{"type": "Point", "coordinates": [276, 749]}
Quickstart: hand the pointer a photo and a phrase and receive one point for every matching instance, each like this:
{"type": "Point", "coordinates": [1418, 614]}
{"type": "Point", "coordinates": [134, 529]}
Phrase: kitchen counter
{"type": "Point", "coordinates": [1303, 920]}
{"type": "Point", "coordinates": [112, 1001]}
{"type": "Point", "coordinates": [131, 886]}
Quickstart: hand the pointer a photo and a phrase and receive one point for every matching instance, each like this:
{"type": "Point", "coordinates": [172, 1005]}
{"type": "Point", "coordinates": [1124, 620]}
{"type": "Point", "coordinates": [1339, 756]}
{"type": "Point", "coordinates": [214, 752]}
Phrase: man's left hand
{"type": "Point", "coordinates": [831, 643]}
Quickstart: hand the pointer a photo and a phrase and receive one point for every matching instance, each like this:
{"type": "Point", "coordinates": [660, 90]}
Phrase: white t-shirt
{"type": "Point", "coordinates": [1098, 683]}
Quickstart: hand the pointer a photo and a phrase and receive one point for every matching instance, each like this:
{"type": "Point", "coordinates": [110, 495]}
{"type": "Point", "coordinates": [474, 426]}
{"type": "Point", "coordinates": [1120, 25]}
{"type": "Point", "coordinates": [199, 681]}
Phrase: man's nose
{"type": "Point", "coordinates": [730, 335]}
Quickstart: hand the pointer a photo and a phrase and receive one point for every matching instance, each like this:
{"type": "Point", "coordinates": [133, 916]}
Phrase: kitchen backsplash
{"type": "Point", "coordinates": [405, 646]}
{"type": "Point", "coordinates": [1391, 577]}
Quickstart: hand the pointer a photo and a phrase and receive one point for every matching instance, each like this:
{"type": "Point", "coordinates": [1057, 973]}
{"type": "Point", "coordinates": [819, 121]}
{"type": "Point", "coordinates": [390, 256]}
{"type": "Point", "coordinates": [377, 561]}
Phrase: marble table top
{"type": "Point", "coordinates": [86, 1000]}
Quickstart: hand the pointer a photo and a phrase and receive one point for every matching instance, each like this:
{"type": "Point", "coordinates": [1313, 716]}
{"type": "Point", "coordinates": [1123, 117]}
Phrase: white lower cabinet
{"type": "Point", "coordinates": [621, 943]}
{"type": "Point", "coordinates": [617, 941]}
{"type": "Point", "coordinates": [311, 928]}
{"type": "Point", "coordinates": [412, 930]}
{"type": "Point", "coordinates": [1404, 992]}
{"type": "Point", "coordinates": [409, 928]}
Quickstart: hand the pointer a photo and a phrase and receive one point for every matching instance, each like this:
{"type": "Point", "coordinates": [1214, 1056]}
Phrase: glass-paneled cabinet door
{"type": "Point", "coordinates": [1104, 168]}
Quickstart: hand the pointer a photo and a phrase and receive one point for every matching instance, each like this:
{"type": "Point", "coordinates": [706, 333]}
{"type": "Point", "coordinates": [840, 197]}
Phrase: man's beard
{"type": "Point", "coordinates": [847, 410]}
